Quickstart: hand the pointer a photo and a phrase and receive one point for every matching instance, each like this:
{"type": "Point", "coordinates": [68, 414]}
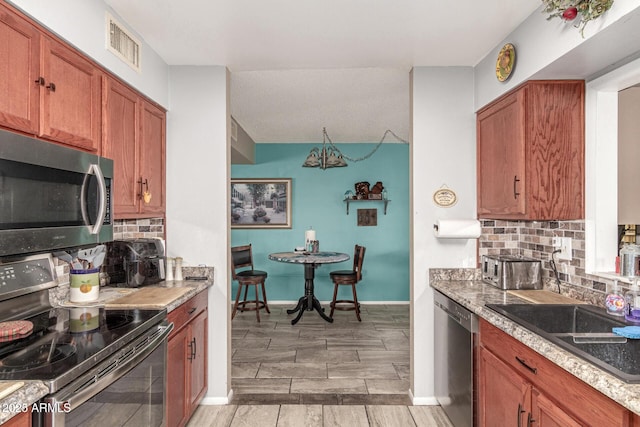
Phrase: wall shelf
{"type": "Point", "coordinates": [385, 201]}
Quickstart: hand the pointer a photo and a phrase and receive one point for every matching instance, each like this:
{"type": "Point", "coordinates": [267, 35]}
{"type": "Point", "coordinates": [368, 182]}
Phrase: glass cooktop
{"type": "Point", "coordinates": [67, 341]}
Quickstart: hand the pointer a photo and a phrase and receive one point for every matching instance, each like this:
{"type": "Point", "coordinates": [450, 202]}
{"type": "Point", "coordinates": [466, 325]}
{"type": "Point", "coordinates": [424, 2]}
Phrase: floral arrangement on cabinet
{"type": "Point", "coordinates": [582, 10]}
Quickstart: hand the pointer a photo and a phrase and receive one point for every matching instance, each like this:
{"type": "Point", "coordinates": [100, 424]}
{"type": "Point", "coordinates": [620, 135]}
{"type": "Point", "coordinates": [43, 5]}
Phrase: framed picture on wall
{"type": "Point", "coordinates": [261, 203]}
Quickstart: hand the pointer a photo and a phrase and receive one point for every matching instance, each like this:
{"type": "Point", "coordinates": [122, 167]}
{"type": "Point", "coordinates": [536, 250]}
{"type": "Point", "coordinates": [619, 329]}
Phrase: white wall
{"type": "Point", "coordinates": [555, 49]}
{"type": "Point", "coordinates": [628, 156]}
{"type": "Point", "coordinates": [443, 151]}
{"type": "Point", "coordinates": [82, 24]}
{"type": "Point", "coordinates": [198, 172]}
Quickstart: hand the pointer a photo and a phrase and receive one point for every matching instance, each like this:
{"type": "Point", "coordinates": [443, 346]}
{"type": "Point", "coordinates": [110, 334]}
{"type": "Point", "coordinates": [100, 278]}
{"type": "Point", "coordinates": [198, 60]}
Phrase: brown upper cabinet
{"type": "Point", "coordinates": [20, 72]}
{"type": "Point", "coordinates": [134, 137]}
{"type": "Point", "coordinates": [47, 89]}
{"type": "Point", "coordinates": [530, 153]}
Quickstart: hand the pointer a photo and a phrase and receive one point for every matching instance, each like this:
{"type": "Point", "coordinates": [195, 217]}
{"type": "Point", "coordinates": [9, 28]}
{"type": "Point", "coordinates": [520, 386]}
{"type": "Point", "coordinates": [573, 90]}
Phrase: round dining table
{"type": "Point", "coordinates": [310, 260]}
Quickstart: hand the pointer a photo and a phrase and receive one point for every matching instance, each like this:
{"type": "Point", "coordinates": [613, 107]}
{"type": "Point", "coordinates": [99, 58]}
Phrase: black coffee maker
{"type": "Point", "coordinates": [136, 262]}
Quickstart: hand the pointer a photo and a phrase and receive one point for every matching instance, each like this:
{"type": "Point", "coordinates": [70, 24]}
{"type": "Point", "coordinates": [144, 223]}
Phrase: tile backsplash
{"type": "Point", "coordinates": [134, 228]}
{"type": "Point", "coordinates": [534, 239]}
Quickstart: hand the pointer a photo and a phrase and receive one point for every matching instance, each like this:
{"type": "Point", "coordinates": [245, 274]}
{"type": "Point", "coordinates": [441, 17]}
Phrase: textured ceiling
{"type": "Point", "coordinates": [355, 105]}
{"type": "Point", "coordinates": [299, 65]}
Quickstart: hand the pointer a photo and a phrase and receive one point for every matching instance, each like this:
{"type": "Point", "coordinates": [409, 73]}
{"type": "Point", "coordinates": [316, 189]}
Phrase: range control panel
{"type": "Point", "coordinates": [35, 270]}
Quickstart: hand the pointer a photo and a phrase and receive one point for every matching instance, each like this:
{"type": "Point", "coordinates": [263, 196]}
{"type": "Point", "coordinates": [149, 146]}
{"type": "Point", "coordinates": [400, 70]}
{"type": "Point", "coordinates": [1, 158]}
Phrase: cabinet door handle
{"type": "Point", "coordinates": [40, 81]}
{"type": "Point", "coordinates": [144, 187]}
{"type": "Point", "coordinates": [520, 412]}
{"type": "Point", "coordinates": [191, 355]}
{"type": "Point", "coordinates": [530, 419]}
{"type": "Point", "coordinates": [523, 363]}
{"type": "Point", "coordinates": [515, 186]}
{"type": "Point", "coordinates": [195, 348]}
{"type": "Point", "coordinates": [191, 311]}
{"type": "Point", "coordinates": [51, 87]}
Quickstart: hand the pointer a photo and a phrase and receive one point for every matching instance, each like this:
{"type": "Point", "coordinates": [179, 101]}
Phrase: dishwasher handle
{"type": "Point", "coordinates": [465, 318]}
{"type": "Point", "coordinates": [452, 315]}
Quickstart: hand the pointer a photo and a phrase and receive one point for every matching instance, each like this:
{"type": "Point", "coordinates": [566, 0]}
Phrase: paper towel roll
{"type": "Point", "coordinates": [457, 229]}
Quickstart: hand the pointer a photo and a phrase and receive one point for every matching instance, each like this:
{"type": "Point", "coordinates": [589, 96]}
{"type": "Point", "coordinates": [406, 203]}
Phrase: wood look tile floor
{"type": "Point", "coordinates": [315, 373]}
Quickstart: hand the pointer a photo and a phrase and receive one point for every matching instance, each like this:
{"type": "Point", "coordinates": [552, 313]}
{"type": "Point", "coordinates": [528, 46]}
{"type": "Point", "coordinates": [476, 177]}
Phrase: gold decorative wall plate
{"type": "Point", "coordinates": [506, 62]}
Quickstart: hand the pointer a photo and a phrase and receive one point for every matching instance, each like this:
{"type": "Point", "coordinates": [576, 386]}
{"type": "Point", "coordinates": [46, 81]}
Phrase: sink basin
{"type": "Point", "coordinates": [559, 318]}
{"type": "Point", "coordinates": [583, 330]}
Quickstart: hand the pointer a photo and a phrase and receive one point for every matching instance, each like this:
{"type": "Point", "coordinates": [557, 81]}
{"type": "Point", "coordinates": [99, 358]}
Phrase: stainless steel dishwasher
{"type": "Point", "coordinates": [455, 342]}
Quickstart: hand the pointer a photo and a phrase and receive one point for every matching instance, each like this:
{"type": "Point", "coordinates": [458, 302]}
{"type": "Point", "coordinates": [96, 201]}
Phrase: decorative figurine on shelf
{"type": "Point", "coordinates": [348, 195]}
{"type": "Point", "coordinates": [376, 191]}
{"type": "Point", "coordinates": [362, 190]}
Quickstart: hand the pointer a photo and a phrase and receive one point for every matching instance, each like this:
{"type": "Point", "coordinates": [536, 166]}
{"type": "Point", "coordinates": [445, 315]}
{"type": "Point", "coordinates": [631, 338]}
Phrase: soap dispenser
{"type": "Point", "coordinates": [632, 303]}
{"type": "Point", "coordinates": [615, 301]}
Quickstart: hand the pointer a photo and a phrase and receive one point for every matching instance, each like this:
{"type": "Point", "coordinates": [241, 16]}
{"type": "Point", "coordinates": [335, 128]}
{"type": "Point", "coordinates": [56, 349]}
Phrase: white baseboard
{"type": "Point", "coordinates": [423, 401]}
{"type": "Point", "coordinates": [217, 400]}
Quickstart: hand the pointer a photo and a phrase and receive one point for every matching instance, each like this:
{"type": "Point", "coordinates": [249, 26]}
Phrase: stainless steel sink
{"type": "Point", "coordinates": [583, 330]}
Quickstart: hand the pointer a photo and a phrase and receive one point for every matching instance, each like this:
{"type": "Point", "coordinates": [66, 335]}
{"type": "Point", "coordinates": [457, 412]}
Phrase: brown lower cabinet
{"type": "Point", "coordinates": [187, 360]}
{"type": "Point", "coordinates": [23, 419]}
{"type": "Point", "coordinates": [519, 387]}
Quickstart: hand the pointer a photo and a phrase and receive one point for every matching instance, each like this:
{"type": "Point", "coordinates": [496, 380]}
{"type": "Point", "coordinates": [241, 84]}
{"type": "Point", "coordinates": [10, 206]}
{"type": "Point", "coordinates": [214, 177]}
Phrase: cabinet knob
{"type": "Point", "coordinates": [40, 81]}
{"type": "Point", "coordinates": [51, 87]}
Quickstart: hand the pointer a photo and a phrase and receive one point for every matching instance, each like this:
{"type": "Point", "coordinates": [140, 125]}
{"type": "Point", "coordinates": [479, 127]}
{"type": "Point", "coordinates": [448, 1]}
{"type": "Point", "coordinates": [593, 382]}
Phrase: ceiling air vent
{"type": "Point", "coordinates": [122, 43]}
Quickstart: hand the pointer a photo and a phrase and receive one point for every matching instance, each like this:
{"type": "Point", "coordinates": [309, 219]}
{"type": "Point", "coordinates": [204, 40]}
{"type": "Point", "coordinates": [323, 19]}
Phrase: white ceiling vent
{"type": "Point", "coordinates": [122, 43]}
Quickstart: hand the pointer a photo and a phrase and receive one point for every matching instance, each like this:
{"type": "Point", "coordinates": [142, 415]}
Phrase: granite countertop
{"type": "Point", "coordinates": [32, 391]}
{"type": "Point", "coordinates": [20, 400]}
{"type": "Point", "coordinates": [110, 294]}
{"type": "Point", "coordinates": [474, 294]}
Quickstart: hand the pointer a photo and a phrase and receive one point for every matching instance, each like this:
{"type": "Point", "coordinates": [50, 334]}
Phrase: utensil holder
{"type": "Point", "coordinates": [84, 285]}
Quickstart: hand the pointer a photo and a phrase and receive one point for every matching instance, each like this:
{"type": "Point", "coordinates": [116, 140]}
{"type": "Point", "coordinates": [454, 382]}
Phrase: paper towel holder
{"type": "Point", "coordinates": [470, 229]}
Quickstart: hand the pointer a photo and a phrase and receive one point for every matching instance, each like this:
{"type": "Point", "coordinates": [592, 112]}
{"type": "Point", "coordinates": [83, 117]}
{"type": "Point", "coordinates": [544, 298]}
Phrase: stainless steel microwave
{"type": "Point", "coordinates": [52, 197]}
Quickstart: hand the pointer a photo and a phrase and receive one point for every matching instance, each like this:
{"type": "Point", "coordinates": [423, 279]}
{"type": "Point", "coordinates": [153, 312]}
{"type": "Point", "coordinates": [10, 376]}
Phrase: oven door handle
{"type": "Point", "coordinates": [83, 389]}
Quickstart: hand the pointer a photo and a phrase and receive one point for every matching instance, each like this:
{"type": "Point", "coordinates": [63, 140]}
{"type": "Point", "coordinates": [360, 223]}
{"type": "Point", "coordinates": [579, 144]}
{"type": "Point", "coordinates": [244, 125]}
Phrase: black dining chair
{"type": "Point", "coordinates": [241, 259]}
{"type": "Point", "coordinates": [351, 278]}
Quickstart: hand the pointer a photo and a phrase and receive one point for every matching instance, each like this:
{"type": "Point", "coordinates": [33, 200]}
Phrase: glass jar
{"type": "Point", "coordinates": [615, 301]}
{"type": "Point", "coordinates": [629, 260]}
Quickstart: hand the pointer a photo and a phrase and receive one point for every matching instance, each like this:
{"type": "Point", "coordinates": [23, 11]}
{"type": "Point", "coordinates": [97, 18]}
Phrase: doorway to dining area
{"type": "Point", "coordinates": [344, 363]}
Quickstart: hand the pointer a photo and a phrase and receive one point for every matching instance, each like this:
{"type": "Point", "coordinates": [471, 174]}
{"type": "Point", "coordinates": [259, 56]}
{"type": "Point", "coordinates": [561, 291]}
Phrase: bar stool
{"type": "Point", "coordinates": [348, 277]}
{"type": "Point", "coordinates": [241, 257]}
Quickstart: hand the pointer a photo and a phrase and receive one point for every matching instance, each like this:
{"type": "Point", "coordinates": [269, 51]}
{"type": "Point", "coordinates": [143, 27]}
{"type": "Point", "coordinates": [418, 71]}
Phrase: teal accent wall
{"type": "Point", "coordinates": [317, 201]}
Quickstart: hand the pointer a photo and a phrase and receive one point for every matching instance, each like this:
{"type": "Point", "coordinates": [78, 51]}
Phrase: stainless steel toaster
{"type": "Point", "coordinates": [511, 272]}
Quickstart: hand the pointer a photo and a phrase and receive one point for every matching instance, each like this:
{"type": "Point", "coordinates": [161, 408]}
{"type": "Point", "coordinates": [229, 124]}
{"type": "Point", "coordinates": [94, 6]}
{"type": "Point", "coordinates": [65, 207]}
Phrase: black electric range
{"type": "Point", "coordinates": [68, 341]}
{"type": "Point", "coordinates": [65, 341]}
